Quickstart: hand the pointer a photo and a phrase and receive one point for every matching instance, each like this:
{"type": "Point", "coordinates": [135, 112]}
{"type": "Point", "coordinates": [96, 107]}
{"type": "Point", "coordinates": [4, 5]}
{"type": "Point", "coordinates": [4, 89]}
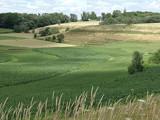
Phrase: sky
{"type": "Point", "coordinates": [77, 6]}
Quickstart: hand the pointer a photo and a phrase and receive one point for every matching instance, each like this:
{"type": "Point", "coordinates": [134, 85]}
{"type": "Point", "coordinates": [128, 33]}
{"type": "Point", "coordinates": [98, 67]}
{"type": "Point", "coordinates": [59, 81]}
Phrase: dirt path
{"type": "Point", "coordinates": [33, 43]}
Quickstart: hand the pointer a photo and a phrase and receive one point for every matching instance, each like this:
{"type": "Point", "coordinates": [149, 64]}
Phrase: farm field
{"type": "Point", "coordinates": [99, 58]}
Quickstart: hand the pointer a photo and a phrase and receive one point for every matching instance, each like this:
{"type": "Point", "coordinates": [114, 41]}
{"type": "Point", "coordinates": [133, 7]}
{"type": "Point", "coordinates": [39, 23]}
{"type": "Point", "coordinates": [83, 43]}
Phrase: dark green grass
{"type": "Point", "coordinates": [10, 38]}
{"type": "Point", "coordinates": [3, 31]}
{"type": "Point", "coordinates": [40, 64]}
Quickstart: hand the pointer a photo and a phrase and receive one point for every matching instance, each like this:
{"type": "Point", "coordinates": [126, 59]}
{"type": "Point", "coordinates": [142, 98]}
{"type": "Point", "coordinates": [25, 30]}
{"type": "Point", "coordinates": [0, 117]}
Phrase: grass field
{"type": "Point", "coordinates": [2, 31]}
{"type": "Point", "coordinates": [10, 38]}
{"type": "Point", "coordinates": [100, 59]}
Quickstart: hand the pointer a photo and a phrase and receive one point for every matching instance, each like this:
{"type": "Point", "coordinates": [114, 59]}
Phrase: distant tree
{"type": "Point", "coordinates": [108, 15]}
{"type": "Point", "coordinates": [99, 18]}
{"type": "Point", "coordinates": [93, 16]}
{"type": "Point", "coordinates": [137, 63]}
{"type": "Point", "coordinates": [73, 18]}
{"type": "Point", "coordinates": [116, 13]}
{"type": "Point", "coordinates": [60, 38]}
{"type": "Point", "coordinates": [85, 16]}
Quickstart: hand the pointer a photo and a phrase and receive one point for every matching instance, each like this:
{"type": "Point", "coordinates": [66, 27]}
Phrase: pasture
{"type": "Point", "coordinates": [100, 59]}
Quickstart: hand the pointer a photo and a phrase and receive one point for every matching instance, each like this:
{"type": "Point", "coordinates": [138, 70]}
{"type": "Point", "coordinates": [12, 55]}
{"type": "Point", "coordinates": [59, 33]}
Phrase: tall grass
{"type": "Point", "coordinates": [78, 109]}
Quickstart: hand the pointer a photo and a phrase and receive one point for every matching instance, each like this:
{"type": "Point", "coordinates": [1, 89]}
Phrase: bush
{"type": "Point", "coordinates": [137, 63]}
{"type": "Point", "coordinates": [17, 29]}
{"type": "Point", "coordinates": [26, 30]}
{"type": "Point", "coordinates": [67, 29]}
{"type": "Point", "coordinates": [155, 59]}
{"type": "Point", "coordinates": [54, 30]}
{"type": "Point", "coordinates": [48, 38]}
{"type": "Point", "coordinates": [53, 38]}
{"type": "Point", "coordinates": [108, 21]}
{"type": "Point", "coordinates": [60, 38]}
{"type": "Point", "coordinates": [35, 35]}
{"type": "Point", "coordinates": [49, 31]}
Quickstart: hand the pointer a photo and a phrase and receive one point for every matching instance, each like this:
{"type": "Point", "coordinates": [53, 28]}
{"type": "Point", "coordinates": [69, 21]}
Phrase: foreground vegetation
{"type": "Point", "coordinates": [78, 109]}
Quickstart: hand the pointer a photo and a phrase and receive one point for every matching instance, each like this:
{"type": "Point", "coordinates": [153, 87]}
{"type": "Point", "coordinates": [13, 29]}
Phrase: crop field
{"type": "Point", "coordinates": [100, 59]}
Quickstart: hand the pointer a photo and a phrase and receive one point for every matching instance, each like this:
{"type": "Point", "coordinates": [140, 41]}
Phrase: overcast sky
{"type": "Point", "coordinates": [77, 6]}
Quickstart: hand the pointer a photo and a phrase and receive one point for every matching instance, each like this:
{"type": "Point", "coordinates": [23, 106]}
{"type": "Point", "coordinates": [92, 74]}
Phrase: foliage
{"type": "Point", "coordinates": [85, 16]}
{"type": "Point", "coordinates": [35, 35]}
{"type": "Point", "coordinates": [48, 39]}
{"type": "Point", "coordinates": [9, 20]}
{"type": "Point", "coordinates": [26, 30]}
{"type": "Point", "coordinates": [108, 21]}
{"type": "Point", "coordinates": [17, 29]}
{"type": "Point", "coordinates": [67, 29]}
{"type": "Point", "coordinates": [137, 17]}
{"type": "Point", "coordinates": [93, 16]}
{"type": "Point", "coordinates": [137, 62]}
{"type": "Point", "coordinates": [60, 38]}
{"type": "Point", "coordinates": [129, 21]}
{"type": "Point", "coordinates": [155, 58]}
{"type": "Point", "coordinates": [73, 18]}
{"type": "Point", "coordinates": [116, 13]}
{"type": "Point", "coordinates": [53, 38]}
{"type": "Point", "coordinates": [49, 31]}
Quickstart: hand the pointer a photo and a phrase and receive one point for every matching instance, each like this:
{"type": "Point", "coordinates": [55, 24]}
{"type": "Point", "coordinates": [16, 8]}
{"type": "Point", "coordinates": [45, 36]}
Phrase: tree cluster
{"type": "Point", "coordinates": [118, 17]}
{"type": "Point", "coordinates": [86, 16]}
{"type": "Point", "coordinates": [59, 38]}
{"type": "Point", "coordinates": [25, 22]}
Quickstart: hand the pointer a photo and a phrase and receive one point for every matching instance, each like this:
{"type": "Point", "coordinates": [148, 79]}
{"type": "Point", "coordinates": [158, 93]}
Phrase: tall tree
{"type": "Point", "coordinates": [85, 16]}
{"type": "Point", "coordinates": [73, 18]}
{"type": "Point", "coordinates": [93, 16]}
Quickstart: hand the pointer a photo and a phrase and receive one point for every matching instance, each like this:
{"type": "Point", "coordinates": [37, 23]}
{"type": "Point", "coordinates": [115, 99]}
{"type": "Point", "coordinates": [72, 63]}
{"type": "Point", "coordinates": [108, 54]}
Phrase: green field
{"type": "Point", "coordinates": [10, 38]}
{"type": "Point", "coordinates": [38, 72]}
{"type": "Point", "coordinates": [2, 31]}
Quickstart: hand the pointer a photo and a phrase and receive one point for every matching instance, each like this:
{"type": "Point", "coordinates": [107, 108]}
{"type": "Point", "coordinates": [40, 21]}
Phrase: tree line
{"type": "Point", "coordinates": [118, 17]}
{"type": "Point", "coordinates": [25, 22]}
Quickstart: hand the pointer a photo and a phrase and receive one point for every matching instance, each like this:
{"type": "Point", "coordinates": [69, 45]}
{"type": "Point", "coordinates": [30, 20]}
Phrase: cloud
{"type": "Point", "coordinates": [77, 6]}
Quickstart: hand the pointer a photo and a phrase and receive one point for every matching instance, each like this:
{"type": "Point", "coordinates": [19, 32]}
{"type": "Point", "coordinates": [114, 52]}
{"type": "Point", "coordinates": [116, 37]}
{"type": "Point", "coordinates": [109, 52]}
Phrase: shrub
{"type": "Point", "coordinates": [67, 29]}
{"type": "Point", "coordinates": [53, 38]}
{"type": "Point", "coordinates": [60, 38]}
{"type": "Point", "coordinates": [54, 30]}
{"type": "Point", "coordinates": [137, 63]}
{"type": "Point", "coordinates": [26, 30]}
{"type": "Point", "coordinates": [35, 35]}
{"type": "Point", "coordinates": [48, 39]}
{"type": "Point", "coordinates": [49, 31]}
{"type": "Point", "coordinates": [17, 29]}
{"type": "Point", "coordinates": [155, 59]}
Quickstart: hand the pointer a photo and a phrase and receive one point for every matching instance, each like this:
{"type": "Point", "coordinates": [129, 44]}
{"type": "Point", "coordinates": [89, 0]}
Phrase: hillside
{"type": "Point", "coordinates": [100, 58]}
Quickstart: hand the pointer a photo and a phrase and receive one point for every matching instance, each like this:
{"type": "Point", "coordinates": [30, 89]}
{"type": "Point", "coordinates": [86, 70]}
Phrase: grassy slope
{"type": "Point", "coordinates": [104, 75]}
{"type": "Point", "coordinates": [29, 66]}
{"type": "Point", "coordinates": [3, 30]}
{"type": "Point", "coordinates": [10, 38]}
